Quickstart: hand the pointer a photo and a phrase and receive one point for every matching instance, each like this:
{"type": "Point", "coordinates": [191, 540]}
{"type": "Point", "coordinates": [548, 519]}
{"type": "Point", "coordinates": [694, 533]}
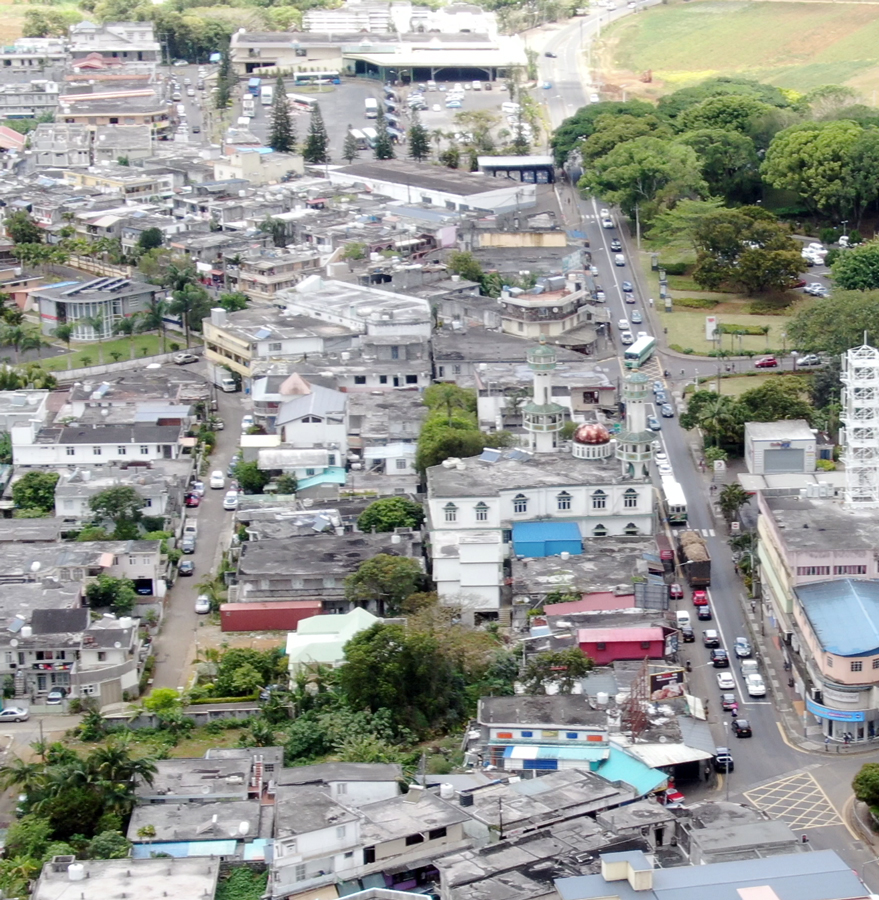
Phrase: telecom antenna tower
{"type": "Point", "coordinates": [860, 432]}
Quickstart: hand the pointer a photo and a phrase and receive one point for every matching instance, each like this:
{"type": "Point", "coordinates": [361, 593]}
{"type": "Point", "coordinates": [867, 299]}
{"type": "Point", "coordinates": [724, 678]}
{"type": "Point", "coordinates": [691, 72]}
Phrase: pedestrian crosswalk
{"type": "Point", "coordinates": [705, 532]}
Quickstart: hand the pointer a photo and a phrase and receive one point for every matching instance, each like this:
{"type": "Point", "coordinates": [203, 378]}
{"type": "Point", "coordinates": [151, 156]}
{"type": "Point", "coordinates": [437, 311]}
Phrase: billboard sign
{"type": "Point", "coordinates": [665, 685]}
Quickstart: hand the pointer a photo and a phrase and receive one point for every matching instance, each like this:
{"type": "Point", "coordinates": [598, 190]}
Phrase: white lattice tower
{"type": "Point", "coordinates": [860, 418]}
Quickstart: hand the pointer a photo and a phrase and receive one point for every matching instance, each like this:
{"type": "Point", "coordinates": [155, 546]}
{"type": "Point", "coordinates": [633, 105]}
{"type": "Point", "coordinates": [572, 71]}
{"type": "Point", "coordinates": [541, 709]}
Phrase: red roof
{"type": "Point", "coordinates": [279, 604]}
{"type": "Point", "coordinates": [591, 602]}
{"type": "Point", "coordinates": [10, 139]}
{"type": "Point", "coordinates": [618, 635]}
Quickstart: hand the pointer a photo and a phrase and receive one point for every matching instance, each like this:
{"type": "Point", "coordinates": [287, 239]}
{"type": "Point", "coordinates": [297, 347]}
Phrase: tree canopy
{"type": "Point", "coordinates": [857, 269]}
{"type": "Point", "coordinates": [384, 580]}
{"type": "Point", "coordinates": [123, 506]}
{"type": "Point", "coordinates": [390, 513]}
{"type": "Point", "coordinates": [836, 323]}
{"type": "Point", "coordinates": [36, 490]}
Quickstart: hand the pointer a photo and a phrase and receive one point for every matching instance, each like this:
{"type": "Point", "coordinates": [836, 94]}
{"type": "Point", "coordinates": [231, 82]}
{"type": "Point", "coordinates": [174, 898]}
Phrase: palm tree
{"type": "Point", "coordinates": [153, 319]}
{"type": "Point", "coordinates": [19, 338]}
{"type": "Point", "coordinates": [448, 397]}
{"type": "Point", "coordinates": [96, 323]}
{"type": "Point", "coordinates": [115, 763]}
{"type": "Point", "coordinates": [732, 498]}
{"type": "Point", "coordinates": [64, 333]}
{"type": "Point", "coordinates": [29, 776]}
{"type": "Point", "coordinates": [128, 326]}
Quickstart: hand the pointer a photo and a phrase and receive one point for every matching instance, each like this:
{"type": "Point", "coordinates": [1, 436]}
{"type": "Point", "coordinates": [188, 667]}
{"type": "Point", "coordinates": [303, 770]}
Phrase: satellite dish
{"type": "Point", "coordinates": [13, 642]}
{"type": "Point", "coordinates": [118, 645]}
{"type": "Point", "coordinates": [243, 827]}
{"type": "Point", "coordinates": [35, 566]}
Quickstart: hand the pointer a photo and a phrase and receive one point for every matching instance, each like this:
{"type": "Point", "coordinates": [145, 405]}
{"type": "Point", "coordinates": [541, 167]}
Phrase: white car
{"type": "Point", "coordinates": [665, 469]}
{"type": "Point", "coordinates": [619, 259]}
{"type": "Point", "coordinates": [594, 98]}
{"type": "Point", "coordinates": [607, 222]}
{"type": "Point", "coordinates": [217, 480]}
{"type": "Point", "coordinates": [605, 213]}
{"type": "Point", "coordinates": [246, 422]}
{"type": "Point", "coordinates": [203, 604]}
{"type": "Point", "coordinates": [660, 456]}
{"type": "Point", "coordinates": [623, 324]}
{"type": "Point", "coordinates": [627, 338]}
{"type": "Point", "coordinates": [230, 501]}
{"type": "Point", "coordinates": [14, 714]}
{"type": "Point", "coordinates": [755, 686]}
{"type": "Point", "coordinates": [725, 681]}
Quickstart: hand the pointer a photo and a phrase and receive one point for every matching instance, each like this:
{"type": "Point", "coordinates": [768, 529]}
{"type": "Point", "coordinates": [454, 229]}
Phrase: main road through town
{"type": "Point", "coordinates": [809, 791]}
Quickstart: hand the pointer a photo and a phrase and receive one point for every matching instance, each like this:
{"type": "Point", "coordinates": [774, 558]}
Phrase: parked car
{"type": "Point", "coordinates": [217, 480]}
{"type": "Point", "coordinates": [665, 469]}
{"type": "Point", "coordinates": [653, 423]}
{"type": "Point", "coordinates": [659, 455]}
{"type": "Point", "coordinates": [725, 681]}
{"type": "Point", "coordinates": [186, 567]}
{"type": "Point", "coordinates": [56, 696]}
{"type": "Point", "coordinates": [197, 488]}
{"type": "Point", "coordinates": [672, 798]}
{"type": "Point", "coordinates": [742, 648]}
{"type": "Point", "coordinates": [246, 422]}
{"type": "Point", "coordinates": [667, 411]}
{"type": "Point", "coordinates": [202, 604]}
{"type": "Point", "coordinates": [14, 714]}
{"type": "Point", "coordinates": [703, 613]}
{"type": "Point", "coordinates": [723, 761]}
{"type": "Point", "coordinates": [700, 598]}
{"type": "Point", "coordinates": [688, 636]}
{"type": "Point", "coordinates": [675, 592]}
{"type": "Point", "coordinates": [810, 359]}
{"type": "Point", "coordinates": [192, 500]}
{"type": "Point", "coordinates": [741, 728]}
{"type": "Point", "coordinates": [230, 501]}
{"type": "Point", "coordinates": [755, 686]}
{"type": "Point", "coordinates": [710, 638]}
{"type": "Point", "coordinates": [719, 658]}
{"type": "Point", "coordinates": [766, 362]}
{"type": "Point", "coordinates": [187, 545]}
{"type": "Point", "coordinates": [184, 359]}
{"type": "Point", "coordinates": [814, 288]}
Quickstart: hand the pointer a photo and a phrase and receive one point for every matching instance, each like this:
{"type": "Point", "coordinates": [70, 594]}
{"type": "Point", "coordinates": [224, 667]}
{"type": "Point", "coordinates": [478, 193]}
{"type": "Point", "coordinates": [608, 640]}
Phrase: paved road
{"type": "Point", "coordinates": [181, 624]}
{"type": "Point", "coordinates": [809, 791]}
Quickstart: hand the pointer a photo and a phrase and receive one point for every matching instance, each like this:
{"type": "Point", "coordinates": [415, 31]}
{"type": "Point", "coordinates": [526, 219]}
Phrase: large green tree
{"type": "Point", "coordinates": [282, 136]}
{"type": "Point", "coordinates": [123, 505]}
{"type": "Point", "coordinates": [116, 593]}
{"type": "Point", "coordinates": [22, 229]}
{"type": "Point", "coordinates": [406, 673]}
{"type": "Point", "coordinates": [384, 580]}
{"type": "Point", "coordinates": [611, 130]}
{"type": "Point", "coordinates": [36, 490]}
{"type": "Point", "coordinates": [837, 323]}
{"type": "Point", "coordinates": [824, 162]}
{"type": "Point", "coordinates": [857, 269]}
{"type": "Point", "coordinates": [747, 247]}
{"type": "Point", "coordinates": [192, 303]}
{"type": "Point", "coordinates": [645, 174]}
{"type": "Point", "coordinates": [317, 142]}
{"type": "Point", "coordinates": [390, 513]}
{"type": "Point", "coordinates": [569, 135]}
{"type": "Point", "coordinates": [562, 668]}
{"type": "Point", "coordinates": [729, 113]}
{"type": "Point", "coordinates": [728, 162]}
{"type": "Point", "coordinates": [419, 142]}
{"type": "Point", "coordinates": [384, 146]}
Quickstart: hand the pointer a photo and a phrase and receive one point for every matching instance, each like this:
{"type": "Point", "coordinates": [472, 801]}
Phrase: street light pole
{"type": "Point", "coordinates": [726, 734]}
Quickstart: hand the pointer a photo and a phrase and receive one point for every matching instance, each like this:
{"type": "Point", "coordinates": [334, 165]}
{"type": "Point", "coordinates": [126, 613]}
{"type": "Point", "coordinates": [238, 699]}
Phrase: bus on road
{"type": "Point", "coordinates": [638, 353]}
{"type": "Point", "coordinates": [253, 86]}
{"type": "Point", "coordinates": [301, 102]}
{"type": "Point", "coordinates": [371, 136]}
{"type": "Point", "coordinates": [331, 77]}
{"type": "Point", "coordinates": [266, 95]}
{"type": "Point", "coordinates": [248, 106]}
{"type": "Point", "coordinates": [674, 501]}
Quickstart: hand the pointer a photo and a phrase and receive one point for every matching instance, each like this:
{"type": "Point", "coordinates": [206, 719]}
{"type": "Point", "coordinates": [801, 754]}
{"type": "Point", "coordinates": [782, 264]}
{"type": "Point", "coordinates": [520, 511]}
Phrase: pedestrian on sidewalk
{"type": "Point", "coordinates": [827, 744]}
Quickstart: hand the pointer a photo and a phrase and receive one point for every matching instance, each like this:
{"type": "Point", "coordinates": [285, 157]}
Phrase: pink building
{"type": "Point", "coordinates": [607, 645]}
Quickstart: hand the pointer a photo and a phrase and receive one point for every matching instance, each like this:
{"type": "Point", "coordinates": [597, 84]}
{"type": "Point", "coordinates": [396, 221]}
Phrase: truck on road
{"type": "Point", "coordinates": [266, 95]}
{"type": "Point", "coordinates": [694, 558]}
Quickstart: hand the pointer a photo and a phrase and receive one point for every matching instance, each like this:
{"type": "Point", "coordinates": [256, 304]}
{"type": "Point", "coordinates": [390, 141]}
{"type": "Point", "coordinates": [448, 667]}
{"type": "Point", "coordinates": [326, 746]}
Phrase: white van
{"type": "Point", "coordinates": [477, 85]}
{"type": "Point", "coordinates": [431, 85]}
{"type": "Point", "coordinates": [228, 384]}
{"type": "Point", "coordinates": [682, 617]}
{"type": "Point", "coordinates": [508, 107]}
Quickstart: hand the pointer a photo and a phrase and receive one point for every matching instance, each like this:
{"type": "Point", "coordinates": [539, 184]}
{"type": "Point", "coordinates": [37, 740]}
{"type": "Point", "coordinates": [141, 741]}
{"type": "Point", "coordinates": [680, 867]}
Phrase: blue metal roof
{"type": "Point", "coordinates": [331, 475]}
{"type": "Point", "coordinates": [546, 538]}
{"type": "Point", "coordinates": [620, 766]}
{"type": "Point", "coordinates": [844, 615]}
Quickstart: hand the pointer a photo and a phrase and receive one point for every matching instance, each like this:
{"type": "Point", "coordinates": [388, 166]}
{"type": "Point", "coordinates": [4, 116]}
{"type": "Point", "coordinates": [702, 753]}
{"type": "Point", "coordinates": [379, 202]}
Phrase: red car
{"type": "Point", "coordinates": [700, 598]}
{"type": "Point", "coordinates": [767, 362]}
{"type": "Point", "coordinates": [192, 500]}
{"type": "Point", "coordinates": [675, 592]}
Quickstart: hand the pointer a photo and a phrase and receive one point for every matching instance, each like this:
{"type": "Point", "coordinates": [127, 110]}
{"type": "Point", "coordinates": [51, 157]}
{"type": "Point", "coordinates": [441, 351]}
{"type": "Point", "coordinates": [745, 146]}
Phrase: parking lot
{"type": "Point", "coordinates": [342, 106]}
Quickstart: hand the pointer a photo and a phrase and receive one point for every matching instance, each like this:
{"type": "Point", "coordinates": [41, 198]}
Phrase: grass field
{"type": "Point", "coordinates": [789, 44]}
{"type": "Point", "coordinates": [686, 327]}
{"type": "Point", "coordinates": [95, 355]}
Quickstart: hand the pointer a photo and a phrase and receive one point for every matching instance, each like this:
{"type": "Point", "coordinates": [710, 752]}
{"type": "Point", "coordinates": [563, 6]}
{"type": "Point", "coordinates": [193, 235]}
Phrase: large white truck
{"type": "Point", "coordinates": [371, 107]}
{"type": "Point", "coordinates": [248, 106]}
{"type": "Point", "coordinates": [266, 95]}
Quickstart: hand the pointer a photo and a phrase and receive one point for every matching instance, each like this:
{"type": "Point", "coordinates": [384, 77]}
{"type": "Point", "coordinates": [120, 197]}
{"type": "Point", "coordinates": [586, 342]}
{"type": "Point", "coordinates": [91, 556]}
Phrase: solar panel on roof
{"type": "Point", "coordinates": [490, 456]}
{"type": "Point", "coordinates": [515, 453]}
{"type": "Point", "coordinates": [263, 333]}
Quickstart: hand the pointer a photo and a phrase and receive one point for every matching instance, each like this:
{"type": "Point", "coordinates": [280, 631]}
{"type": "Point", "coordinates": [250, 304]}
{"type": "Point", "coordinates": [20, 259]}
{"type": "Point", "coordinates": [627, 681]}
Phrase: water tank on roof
{"type": "Point", "coordinates": [76, 872]}
{"type": "Point", "coordinates": [126, 622]}
{"type": "Point", "coordinates": [447, 791]}
{"type": "Point", "coordinates": [27, 631]}
{"type": "Point", "coordinates": [601, 698]}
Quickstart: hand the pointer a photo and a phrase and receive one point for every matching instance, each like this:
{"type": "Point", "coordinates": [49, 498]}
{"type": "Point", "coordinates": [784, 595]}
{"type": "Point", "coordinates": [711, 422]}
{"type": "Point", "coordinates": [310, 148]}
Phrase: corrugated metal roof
{"type": "Point", "coordinates": [333, 475]}
{"type": "Point", "coordinates": [622, 766]}
{"type": "Point", "coordinates": [320, 402]}
{"type": "Point", "coordinates": [844, 615]}
{"type": "Point", "coordinates": [658, 755]}
{"type": "Point", "coordinates": [696, 733]}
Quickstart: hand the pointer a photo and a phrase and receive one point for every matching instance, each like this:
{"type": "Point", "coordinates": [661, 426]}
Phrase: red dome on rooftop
{"type": "Point", "coordinates": [591, 433]}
